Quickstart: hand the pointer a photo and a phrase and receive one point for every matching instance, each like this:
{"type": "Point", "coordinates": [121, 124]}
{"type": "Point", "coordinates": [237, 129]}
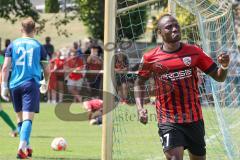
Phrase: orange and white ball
{"type": "Point", "coordinates": [59, 144]}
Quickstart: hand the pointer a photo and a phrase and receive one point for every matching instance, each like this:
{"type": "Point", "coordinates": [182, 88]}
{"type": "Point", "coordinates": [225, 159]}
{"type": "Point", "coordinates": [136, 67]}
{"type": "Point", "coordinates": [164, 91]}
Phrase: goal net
{"type": "Point", "coordinates": [206, 23]}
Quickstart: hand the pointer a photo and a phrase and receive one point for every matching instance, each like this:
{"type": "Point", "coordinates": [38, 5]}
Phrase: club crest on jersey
{"type": "Point", "coordinates": [187, 61]}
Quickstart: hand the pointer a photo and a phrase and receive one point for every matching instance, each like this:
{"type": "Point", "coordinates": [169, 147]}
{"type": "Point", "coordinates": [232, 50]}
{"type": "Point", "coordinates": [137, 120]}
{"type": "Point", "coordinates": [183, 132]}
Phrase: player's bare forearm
{"type": "Point", "coordinates": [5, 75]}
{"type": "Point", "coordinates": [6, 69]}
{"type": "Point", "coordinates": [139, 90]}
{"type": "Point", "coordinates": [221, 74]}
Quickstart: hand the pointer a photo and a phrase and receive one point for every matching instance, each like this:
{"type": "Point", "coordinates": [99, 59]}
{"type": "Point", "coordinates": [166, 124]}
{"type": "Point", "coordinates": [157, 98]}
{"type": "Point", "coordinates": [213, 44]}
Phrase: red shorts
{"type": "Point", "coordinates": [52, 82]}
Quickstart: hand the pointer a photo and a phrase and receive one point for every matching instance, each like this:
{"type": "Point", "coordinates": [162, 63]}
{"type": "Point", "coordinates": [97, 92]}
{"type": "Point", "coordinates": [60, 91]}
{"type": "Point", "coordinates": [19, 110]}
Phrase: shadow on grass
{"type": "Point", "coordinates": [61, 158]}
{"type": "Point", "coordinates": [42, 136]}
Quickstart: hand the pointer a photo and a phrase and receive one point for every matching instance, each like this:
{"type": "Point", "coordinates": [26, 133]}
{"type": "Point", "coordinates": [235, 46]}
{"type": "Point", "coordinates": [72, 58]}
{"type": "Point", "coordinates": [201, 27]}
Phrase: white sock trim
{"type": "Point", "coordinates": [22, 145]}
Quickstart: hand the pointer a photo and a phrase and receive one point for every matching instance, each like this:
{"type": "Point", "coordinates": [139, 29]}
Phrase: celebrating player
{"type": "Point", "coordinates": [94, 108]}
{"type": "Point", "coordinates": [24, 57]}
{"type": "Point", "coordinates": [173, 65]}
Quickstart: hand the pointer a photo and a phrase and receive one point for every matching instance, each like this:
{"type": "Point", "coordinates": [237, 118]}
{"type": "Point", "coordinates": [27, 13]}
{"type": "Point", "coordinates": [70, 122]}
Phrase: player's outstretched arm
{"type": "Point", "coordinates": [221, 74]}
{"type": "Point", "coordinates": [139, 90]}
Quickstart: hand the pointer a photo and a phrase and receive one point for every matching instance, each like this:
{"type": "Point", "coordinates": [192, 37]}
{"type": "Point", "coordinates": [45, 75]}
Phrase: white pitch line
{"type": "Point", "coordinates": [213, 137]}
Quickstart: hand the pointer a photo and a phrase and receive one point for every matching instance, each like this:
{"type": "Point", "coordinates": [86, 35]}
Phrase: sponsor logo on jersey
{"type": "Point", "coordinates": [173, 76]}
{"type": "Point", "coordinates": [187, 61]}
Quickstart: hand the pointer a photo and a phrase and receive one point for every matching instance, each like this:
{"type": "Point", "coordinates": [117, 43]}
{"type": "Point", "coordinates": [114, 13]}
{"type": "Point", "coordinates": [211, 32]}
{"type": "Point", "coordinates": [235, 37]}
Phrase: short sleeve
{"type": "Point", "coordinates": [8, 52]}
{"type": "Point", "coordinates": [43, 53]}
{"type": "Point", "coordinates": [144, 68]}
{"type": "Point", "coordinates": [205, 63]}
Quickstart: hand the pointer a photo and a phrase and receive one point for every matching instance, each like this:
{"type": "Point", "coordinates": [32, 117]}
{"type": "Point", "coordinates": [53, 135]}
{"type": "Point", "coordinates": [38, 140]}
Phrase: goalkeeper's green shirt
{"type": "Point", "coordinates": [1, 59]}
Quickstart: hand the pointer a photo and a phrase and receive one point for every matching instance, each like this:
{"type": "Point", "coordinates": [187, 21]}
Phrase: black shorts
{"type": "Point", "coordinates": [188, 135]}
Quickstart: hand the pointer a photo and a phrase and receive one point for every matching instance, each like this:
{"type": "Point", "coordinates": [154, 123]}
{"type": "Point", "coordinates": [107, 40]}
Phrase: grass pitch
{"type": "Point", "coordinates": [132, 140]}
{"type": "Point", "coordinates": [84, 141]}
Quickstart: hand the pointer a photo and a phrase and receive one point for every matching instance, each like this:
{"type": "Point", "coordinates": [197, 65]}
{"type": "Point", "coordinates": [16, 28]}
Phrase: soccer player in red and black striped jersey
{"type": "Point", "coordinates": [173, 65]}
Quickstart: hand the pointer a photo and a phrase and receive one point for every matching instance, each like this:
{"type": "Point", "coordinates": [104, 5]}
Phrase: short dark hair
{"type": "Point", "coordinates": [161, 18]}
{"type": "Point", "coordinates": [7, 42]}
{"type": "Point", "coordinates": [48, 39]}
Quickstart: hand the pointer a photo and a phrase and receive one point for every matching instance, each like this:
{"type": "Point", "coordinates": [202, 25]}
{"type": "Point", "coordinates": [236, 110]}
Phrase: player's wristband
{"type": "Point", "coordinates": [4, 85]}
{"type": "Point", "coordinates": [43, 82]}
{"type": "Point", "coordinates": [224, 68]}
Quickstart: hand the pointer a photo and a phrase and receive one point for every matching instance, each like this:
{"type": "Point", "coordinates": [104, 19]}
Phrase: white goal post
{"type": "Point", "coordinates": [108, 101]}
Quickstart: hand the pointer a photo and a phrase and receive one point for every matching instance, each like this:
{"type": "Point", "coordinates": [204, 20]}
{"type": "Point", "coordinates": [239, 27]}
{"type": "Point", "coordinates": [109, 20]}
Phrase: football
{"type": "Point", "coordinates": [59, 144]}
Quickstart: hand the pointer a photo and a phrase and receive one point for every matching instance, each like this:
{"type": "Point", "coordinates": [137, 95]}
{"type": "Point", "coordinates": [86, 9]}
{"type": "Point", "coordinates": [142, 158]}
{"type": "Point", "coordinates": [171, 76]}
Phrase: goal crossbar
{"type": "Point", "coordinates": [119, 11]}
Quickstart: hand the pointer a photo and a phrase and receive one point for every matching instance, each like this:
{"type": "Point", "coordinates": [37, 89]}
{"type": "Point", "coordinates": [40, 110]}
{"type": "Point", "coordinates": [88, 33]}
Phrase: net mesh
{"type": "Point", "coordinates": [212, 28]}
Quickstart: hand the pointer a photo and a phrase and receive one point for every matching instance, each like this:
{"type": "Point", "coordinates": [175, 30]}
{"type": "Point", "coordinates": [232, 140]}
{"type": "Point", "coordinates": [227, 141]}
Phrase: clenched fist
{"type": "Point", "coordinates": [143, 116]}
{"type": "Point", "coordinates": [223, 59]}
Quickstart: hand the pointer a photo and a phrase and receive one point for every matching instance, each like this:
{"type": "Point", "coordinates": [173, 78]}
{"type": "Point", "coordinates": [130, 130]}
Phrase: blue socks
{"type": "Point", "coordinates": [19, 127]}
{"type": "Point", "coordinates": [25, 131]}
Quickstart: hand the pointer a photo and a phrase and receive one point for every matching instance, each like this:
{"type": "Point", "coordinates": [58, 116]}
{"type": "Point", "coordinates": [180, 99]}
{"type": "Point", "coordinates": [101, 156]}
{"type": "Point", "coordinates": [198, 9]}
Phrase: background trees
{"type": "Point", "coordinates": [129, 25]}
{"type": "Point", "coordinates": [14, 9]}
{"type": "Point", "coordinates": [51, 6]}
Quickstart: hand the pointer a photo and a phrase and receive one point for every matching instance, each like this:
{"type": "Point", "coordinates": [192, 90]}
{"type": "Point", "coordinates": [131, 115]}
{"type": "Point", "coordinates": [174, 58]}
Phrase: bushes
{"type": "Point", "coordinates": [51, 6]}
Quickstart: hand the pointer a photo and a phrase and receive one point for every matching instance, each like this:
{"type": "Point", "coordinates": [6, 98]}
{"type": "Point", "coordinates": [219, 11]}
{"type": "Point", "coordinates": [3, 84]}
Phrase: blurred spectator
{"type": "Point", "coordinates": [135, 67]}
{"type": "Point", "coordinates": [121, 66]}
{"type": "Point", "coordinates": [49, 47]}
{"type": "Point", "coordinates": [94, 108]}
{"type": "Point", "coordinates": [6, 44]}
{"type": "Point", "coordinates": [52, 94]}
{"type": "Point", "coordinates": [75, 79]}
{"type": "Point", "coordinates": [94, 62]}
{"type": "Point", "coordinates": [88, 44]}
{"type": "Point", "coordinates": [77, 49]}
{"type": "Point", "coordinates": [87, 48]}
{"type": "Point", "coordinates": [80, 43]}
{"type": "Point", "coordinates": [59, 62]}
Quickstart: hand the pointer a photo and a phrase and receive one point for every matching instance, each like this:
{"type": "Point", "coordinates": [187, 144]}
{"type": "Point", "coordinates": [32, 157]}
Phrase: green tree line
{"type": "Point", "coordinates": [130, 24]}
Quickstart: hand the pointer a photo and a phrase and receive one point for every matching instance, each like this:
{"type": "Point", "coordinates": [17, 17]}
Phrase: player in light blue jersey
{"type": "Point", "coordinates": [24, 56]}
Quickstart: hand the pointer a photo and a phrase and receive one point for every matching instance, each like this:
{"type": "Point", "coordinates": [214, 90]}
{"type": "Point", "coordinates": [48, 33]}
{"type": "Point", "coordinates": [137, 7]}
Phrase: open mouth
{"type": "Point", "coordinates": [175, 35]}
